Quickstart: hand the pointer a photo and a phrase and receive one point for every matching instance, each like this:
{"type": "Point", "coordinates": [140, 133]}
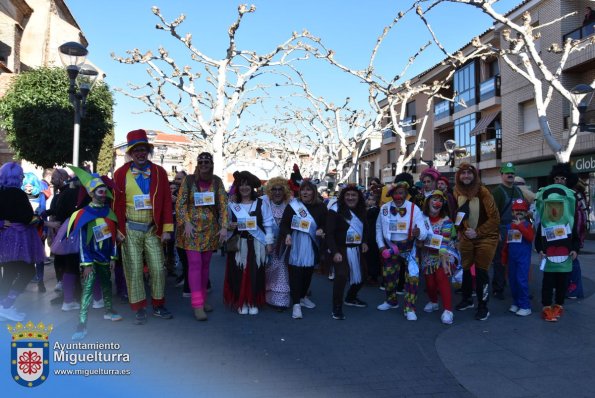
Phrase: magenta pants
{"type": "Point", "coordinates": [198, 276]}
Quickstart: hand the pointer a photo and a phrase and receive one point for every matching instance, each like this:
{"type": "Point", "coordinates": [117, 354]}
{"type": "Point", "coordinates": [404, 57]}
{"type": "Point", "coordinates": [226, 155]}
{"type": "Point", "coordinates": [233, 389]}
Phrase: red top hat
{"type": "Point", "coordinates": [136, 137]}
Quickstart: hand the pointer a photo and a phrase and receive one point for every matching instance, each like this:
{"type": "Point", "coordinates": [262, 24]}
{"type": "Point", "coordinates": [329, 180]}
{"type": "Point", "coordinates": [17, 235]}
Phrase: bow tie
{"type": "Point", "coordinates": [400, 210]}
{"type": "Point", "coordinates": [136, 172]}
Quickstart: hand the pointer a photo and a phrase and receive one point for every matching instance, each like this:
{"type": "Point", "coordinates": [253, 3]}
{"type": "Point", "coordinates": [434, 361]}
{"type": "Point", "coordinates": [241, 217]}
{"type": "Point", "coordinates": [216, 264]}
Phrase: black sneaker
{"type": "Point", "coordinates": [140, 318]}
{"type": "Point", "coordinates": [338, 314]}
{"type": "Point", "coordinates": [482, 314]}
{"type": "Point", "coordinates": [41, 287]}
{"type": "Point", "coordinates": [162, 312]}
{"type": "Point", "coordinates": [356, 303]}
{"type": "Point", "coordinates": [464, 304]}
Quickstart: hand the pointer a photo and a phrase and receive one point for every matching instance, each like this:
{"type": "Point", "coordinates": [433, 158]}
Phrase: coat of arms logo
{"type": "Point", "coordinates": [29, 353]}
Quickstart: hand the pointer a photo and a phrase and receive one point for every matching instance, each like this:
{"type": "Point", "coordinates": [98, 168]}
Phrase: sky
{"type": "Point", "coordinates": [349, 27]}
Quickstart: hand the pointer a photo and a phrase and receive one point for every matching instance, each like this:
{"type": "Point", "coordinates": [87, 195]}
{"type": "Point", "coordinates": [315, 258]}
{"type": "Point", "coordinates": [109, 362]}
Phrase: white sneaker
{"type": "Point", "coordinates": [331, 276]}
{"type": "Point", "coordinates": [253, 310]}
{"type": "Point", "coordinates": [71, 306]}
{"type": "Point", "coordinates": [447, 317]}
{"type": "Point", "coordinates": [411, 316]}
{"type": "Point", "coordinates": [306, 302]}
{"type": "Point", "coordinates": [297, 311]}
{"type": "Point", "coordinates": [11, 314]}
{"type": "Point", "coordinates": [98, 303]}
{"type": "Point", "coordinates": [243, 310]}
{"type": "Point", "coordinates": [524, 312]}
{"type": "Point", "coordinates": [386, 306]}
{"type": "Point", "coordinates": [513, 308]}
{"type": "Point", "coordinates": [186, 294]}
{"type": "Point", "coordinates": [58, 287]}
{"type": "Point", "coordinates": [431, 307]}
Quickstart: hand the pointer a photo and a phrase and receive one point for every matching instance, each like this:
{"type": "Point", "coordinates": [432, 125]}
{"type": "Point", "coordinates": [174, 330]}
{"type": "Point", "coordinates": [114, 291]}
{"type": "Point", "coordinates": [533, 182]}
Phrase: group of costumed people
{"type": "Point", "coordinates": [275, 241]}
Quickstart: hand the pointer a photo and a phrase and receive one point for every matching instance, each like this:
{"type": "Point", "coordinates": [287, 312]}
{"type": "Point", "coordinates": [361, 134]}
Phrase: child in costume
{"type": "Point", "coordinates": [558, 244]}
{"type": "Point", "coordinates": [439, 254]}
{"type": "Point", "coordinates": [96, 224]}
{"type": "Point", "coordinates": [516, 253]}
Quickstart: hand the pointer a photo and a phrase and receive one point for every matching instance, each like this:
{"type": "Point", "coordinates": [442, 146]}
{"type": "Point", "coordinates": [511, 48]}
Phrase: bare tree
{"type": "Point", "coordinates": [208, 99]}
{"type": "Point", "coordinates": [340, 132]}
{"type": "Point", "coordinates": [288, 146]}
{"type": "Point", "coordinates": [545, 79]}
{"type": "Point", "coordinates": [388, 97]}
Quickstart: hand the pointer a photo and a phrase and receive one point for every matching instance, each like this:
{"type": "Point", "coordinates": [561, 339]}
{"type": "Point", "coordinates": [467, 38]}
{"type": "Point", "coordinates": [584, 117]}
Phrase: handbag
{"type": "Point", "coordinates": [232, 245]}
{"type": "Point", "coordinates": [63, 245]}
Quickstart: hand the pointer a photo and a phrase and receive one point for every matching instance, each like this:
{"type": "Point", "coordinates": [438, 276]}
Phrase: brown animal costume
{"type": "Point", "coordinates": [481, 216]}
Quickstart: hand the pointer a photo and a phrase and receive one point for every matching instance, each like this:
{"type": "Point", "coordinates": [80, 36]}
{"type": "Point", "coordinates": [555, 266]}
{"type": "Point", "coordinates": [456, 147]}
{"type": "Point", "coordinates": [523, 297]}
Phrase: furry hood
{"type": "Point", "coordinates": [472, 190]}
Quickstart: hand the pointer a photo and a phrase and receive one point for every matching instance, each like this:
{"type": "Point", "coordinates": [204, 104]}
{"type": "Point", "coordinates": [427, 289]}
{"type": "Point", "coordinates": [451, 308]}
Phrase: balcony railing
{"type": "Point", "coordinates": [409, 126]}
{"type": "Point", "coordinates": [443, 109]}
{"type": "Point", "coordinates": [388, 133]}
{"type": "Point", "coordinates": [489, 88]}
{"type": "Point", "coordinates": [580, 33]}
{"type": "Point", "coordinates": [490, 149]}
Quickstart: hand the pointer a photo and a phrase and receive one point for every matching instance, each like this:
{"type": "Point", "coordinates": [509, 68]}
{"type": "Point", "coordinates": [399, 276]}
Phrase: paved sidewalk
{"type": "Point", "coordinates": [370, 354]}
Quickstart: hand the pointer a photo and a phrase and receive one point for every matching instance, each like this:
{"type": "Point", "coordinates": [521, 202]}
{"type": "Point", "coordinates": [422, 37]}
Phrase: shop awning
{"type": "Point", "coordinates": [484, 123]}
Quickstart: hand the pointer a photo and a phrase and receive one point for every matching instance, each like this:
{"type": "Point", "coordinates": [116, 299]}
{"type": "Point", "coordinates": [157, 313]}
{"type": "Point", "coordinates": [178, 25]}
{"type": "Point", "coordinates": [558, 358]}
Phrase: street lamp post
{"type": "Point", "coordinates": [450, 146]}
{"type": "Point", "coordinates": [162, 150]}
{"type": "Point", "coordinates": [82, 78]}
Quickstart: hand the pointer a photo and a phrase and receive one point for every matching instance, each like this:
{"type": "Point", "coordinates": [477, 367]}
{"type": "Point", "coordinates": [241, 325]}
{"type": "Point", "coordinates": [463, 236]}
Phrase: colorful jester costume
{"type": "Point", "coordinates": [557, 241]}
{"type": "Point", "coordinates": [96, 224]}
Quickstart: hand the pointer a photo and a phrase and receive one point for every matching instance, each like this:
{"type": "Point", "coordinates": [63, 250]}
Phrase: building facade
{"type": "Point", "coordinates": [498, 121]}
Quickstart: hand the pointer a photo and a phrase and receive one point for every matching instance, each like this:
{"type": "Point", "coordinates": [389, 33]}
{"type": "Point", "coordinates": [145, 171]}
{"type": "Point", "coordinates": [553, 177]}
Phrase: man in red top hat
{"type": "Point", "coordinates": [142, 203]}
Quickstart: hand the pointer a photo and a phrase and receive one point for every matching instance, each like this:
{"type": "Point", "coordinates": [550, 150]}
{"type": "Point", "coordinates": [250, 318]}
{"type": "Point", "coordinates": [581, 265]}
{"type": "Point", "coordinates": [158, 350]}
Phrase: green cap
{"type": "Point", "coordinates": [507, 168]}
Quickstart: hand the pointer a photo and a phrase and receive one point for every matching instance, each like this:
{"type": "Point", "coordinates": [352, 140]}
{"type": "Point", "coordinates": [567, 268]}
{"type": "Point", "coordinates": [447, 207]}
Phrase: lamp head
{"type": "Point", "coordinates": [450, 146]}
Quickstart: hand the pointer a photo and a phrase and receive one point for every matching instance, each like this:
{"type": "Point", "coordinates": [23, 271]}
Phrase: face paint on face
{"type": "Point", "coordinates": [100, 195]}
{"type": "Point", "coordinates": [140, 155]}
{"type": "Point", "coordinates": [436, 203]}
{"type": "Point", "coordinates": [554, 210]}
{"type": "Point", "coordinates": [399, 196]}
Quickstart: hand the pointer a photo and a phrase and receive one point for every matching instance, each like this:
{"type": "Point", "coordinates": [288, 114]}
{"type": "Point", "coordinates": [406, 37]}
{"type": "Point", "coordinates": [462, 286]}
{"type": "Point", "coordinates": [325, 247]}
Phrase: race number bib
{"type": "Point", "coordinates": [247, 224]}
{"type": "Point", "coordinates": [101, 232]}
{"type": "Point", "coordinates": [433, 241]}
{"type": "Point", "coordinates": [353, 238]}
{"type": "Point", "coordinates": [459, 218]}
{"type": "Point", "coordinates": [556, 232]}
{"type": "Point", "coordinates": [204, 199]}
{"type": "Point", "coordinates": [142, 202]}
{"type": "Point", "coordinates": [300, 224]}
{"type": "Point", "coordinates": [398, 226]}
{"type": "Point", "coordinates": [515, 236]}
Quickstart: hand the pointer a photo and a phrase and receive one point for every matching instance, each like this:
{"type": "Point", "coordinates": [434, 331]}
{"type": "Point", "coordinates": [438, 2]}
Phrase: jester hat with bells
{"type": "Point", "coordinates": [89, 215]}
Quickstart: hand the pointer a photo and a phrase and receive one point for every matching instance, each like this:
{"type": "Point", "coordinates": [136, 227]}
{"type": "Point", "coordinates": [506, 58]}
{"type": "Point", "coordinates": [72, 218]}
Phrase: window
{"type": "Point", "coordinates": [409, 149]}
{"type": "Point", "coordinates": [410, 109]}
{"type": "Point", "coordinates": [463, 127]}
{"type": "Point", "coordinates": [391, 156]}
{"type": "Point", "coordinates": [530, 119]}
{"type": "Point", "coordinates": [464, 84]}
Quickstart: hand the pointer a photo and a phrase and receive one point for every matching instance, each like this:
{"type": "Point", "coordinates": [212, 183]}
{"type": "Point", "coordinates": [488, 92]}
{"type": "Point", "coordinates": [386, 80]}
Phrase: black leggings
{"type": "Point", "coordinates": [299, 282]}
{"type": "Point", "coordinates": [554, 281]}
{"type": "Point", "coordinates": [15, 277]}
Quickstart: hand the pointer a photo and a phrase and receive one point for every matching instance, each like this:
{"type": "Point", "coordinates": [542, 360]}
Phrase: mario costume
{"type": "Point", "coordinates": [96, 226]}
{"type": "Point", "coordinates": [143, 205]}
{"type": "Point", "coordinates": [516, 252]}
